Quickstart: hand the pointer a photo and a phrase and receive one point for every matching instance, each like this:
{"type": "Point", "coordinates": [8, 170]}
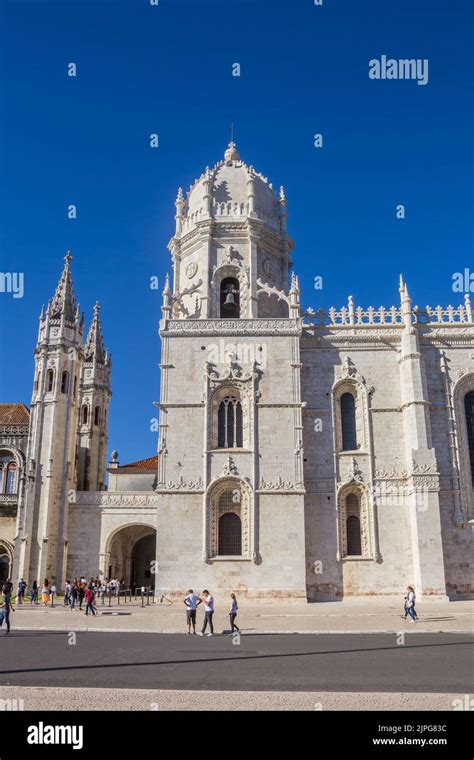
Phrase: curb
{"type": "Point", "coordinates": [167, 631]}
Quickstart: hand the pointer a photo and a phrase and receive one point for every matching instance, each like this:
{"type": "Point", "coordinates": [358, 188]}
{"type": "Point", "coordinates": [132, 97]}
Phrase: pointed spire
{"type": "Point", "coordinates": [94, 347]}
{"type": "Point", "coordinates": [63, 303]}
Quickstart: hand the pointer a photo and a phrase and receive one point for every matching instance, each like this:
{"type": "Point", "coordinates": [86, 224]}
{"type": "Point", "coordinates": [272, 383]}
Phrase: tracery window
{"type": "Point", "coordinates": [229, 423]}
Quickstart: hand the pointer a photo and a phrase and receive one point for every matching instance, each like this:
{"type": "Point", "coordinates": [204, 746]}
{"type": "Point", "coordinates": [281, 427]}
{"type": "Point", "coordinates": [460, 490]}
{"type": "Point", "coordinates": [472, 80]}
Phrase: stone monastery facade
{"type": "Point", "coordinates": [301, 454]}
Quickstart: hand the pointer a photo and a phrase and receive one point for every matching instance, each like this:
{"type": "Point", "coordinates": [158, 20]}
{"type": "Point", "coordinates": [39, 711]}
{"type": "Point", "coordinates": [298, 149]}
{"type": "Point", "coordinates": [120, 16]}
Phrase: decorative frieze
{"type": "Point", "coordinates": [213, 327]}
{"type": "Point", "coordinates": [126, 499]}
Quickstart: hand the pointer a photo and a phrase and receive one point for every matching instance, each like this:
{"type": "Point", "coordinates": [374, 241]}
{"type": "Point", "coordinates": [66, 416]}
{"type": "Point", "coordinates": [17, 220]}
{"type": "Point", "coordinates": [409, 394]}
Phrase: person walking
{"type": "Point", "coordinates": [81, 592]}
{"type": "Point", "coordinates": [73, 595]}
{"type": "Point", "coordinates": [410, 604]}
{"type": "Point", "coordinates": [34, 593]}
{"type": "Point", "coordinates": [192, 602]}
{"type": "Point", "coordinates": [90, 596]}
{"type": "Point", "coordinates": [233, 613]}
{"type": "Point", "coordinates": [208, 613]}
{"type": "Point", "coordinates": [21, 591]}
{"type": "Point", "coordinates": [45, 592]}
{"type": "Point", "coordinates": [54, 591]}
{"type": "Point", "coordinates": [5, 610]}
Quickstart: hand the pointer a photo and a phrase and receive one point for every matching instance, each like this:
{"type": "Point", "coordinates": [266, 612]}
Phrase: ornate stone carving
{"type": "Point", "coordinates": [126, 499]}
{"type": "Point", "coordinates": [214, 327]}
{"type": "Point", "coordinates": [276, 485]}
{"type": "Point", "coordinates": [354, 472]}
{"type": "Point", "coordinates": [230, 468]}
{"type": "Point", "coordinates": [191, 269]}
{"type": "Point", "coordinates": [184, 485]}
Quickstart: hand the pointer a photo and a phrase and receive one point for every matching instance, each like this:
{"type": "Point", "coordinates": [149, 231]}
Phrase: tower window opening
{"type": "Point", "coordinates": [50, 381]}
{"type": "Point", "coordinates": [230, 298]}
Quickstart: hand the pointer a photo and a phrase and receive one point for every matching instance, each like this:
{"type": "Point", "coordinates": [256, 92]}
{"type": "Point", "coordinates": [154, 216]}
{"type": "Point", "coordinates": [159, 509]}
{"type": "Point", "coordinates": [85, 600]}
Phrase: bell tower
{"type": "Point", "coordinates": [93, 410]}
{"type": "Point", "coordinates": [231, 250]}
{"type": "Point", "coordinates": [41, 542]}
{"type": "Point", "coordinates": [230, 384]}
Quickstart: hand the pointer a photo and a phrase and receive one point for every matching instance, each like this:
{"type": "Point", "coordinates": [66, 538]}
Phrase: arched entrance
{"type": "Point", "coordinates": [6, 555]}
{"type": "Point", "coordinates": [131, 552]}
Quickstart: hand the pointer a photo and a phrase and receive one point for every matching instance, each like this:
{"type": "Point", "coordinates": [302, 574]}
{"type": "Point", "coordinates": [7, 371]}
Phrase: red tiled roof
{"type": "Point", "coordinates": [14, 414]}
{"type": "Point", "coordinates": [143, 464]}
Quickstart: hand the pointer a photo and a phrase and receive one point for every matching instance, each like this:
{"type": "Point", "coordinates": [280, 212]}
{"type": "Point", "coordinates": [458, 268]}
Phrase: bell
{"type": "Point", "coordinates": [229, 302]}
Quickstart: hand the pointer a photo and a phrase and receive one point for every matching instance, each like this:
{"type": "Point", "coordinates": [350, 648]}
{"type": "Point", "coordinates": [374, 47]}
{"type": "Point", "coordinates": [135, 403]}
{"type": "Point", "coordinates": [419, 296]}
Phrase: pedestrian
{"type": "Point", "coordinates": [34, 593]}
{"type": "Point", "coordinates": [410, 604]}
{"type": "Point", "coordinates": [73, 595]}
{"type": "Point", "coordinates": [53, 591]}
{"type": "Point", "coordinates": [45, 592]}
{"type": "Point", "coordinates": [21, 591]}
{"type": "Point", "coordinates": [5, 610]}
{"type": "Point", "coordinates": [90, 596]}
{"type": "Point", "coordinates": [67, 593]}
{"type": "Point", "coordinates": [81, 594]}
{"type": "Point", "coordinates": [192, 602]}
{"type": "Point", "coordinates": [233, 613]}
{"type": "Point", "coordinates": [208, 612]}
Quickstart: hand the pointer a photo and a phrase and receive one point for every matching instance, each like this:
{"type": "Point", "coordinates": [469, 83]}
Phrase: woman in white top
{"type": "Point", "coordinates": [410, 604]}
{"type": "Point", "coordinates": [233, 613]}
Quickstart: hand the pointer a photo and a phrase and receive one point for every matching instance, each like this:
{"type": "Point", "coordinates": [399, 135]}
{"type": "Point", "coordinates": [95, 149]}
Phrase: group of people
{"type": "Point", "coordinates": [79, 591]}
{"type": "Point", "coordinates": [192, 602]}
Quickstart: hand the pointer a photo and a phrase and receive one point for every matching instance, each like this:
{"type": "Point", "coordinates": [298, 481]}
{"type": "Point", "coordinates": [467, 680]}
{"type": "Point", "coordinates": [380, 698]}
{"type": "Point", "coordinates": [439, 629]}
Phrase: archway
{"type": "Point", "coordinates": [131, 552]}
{"type": "Point", "coordinates": [6, 556]}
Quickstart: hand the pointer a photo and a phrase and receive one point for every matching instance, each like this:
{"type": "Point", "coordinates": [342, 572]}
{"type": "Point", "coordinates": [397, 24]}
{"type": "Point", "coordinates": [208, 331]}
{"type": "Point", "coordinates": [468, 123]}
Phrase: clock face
{"type": "Point", "coordinates": [191, 269]}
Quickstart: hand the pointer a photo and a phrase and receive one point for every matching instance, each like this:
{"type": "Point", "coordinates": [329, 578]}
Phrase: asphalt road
{"type": "Point", "coordinates": [324, 662]}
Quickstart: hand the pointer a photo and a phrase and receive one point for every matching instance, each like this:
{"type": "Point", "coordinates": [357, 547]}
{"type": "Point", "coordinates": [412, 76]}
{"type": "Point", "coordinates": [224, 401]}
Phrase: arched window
{"type": "Point", "coordinates": [97, 415]}
{"type": "Point", "coordinates": [65, 382]}
{"type": "Point", "coordinates": [50, 380]}
{"type": "Point", "coordinates": [229, 424]}
{"type": "Point", "coordinates": [230, 535]}
{"type": "Point", "coordinates": [353, 534]}
{"type": "Point", "coordinates": [11, 479]}
{"type": "Point", "coordinates": [469, 410]}
{"type": "Point", "coordinates": [230, 298]}
{"type": "Point", "coordinates": [354, 547]}
{"type": "Point", "coordinates": [348, 422]}
{"type": "Point", "coordinates": [85, 414]}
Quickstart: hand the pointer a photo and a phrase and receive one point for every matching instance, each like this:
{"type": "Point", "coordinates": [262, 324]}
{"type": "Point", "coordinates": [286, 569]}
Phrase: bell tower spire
{"type": "Point", "coordinates": [93, 410]}
{"type": "Point", "coordinates": [42, 528]}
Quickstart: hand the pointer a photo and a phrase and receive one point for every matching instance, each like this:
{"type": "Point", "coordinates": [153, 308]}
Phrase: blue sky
{"type": "Point", "coordinates": [168, 69]}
